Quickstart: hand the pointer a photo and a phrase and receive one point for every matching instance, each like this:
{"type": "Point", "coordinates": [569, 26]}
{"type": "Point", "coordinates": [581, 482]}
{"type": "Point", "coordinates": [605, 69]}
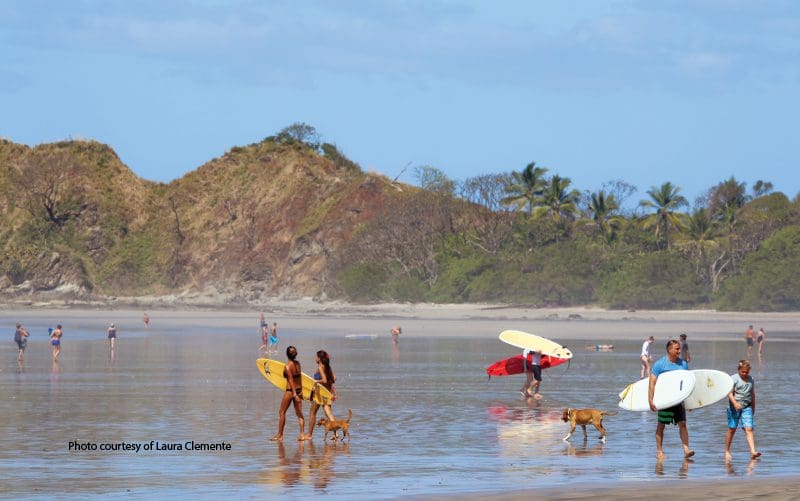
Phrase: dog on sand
{"type": "Point", "coordinates": [583, 417]}
{"type": "Point", "coordinates": [336, 425]}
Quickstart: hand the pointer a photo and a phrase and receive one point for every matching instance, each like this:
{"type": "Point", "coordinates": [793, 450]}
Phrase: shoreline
{"type": "Point", "coordinates": [431, 320]}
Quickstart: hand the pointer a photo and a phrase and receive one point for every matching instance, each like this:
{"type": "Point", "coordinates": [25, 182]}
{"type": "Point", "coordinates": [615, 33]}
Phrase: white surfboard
{"type": "Point", "coordinates": [709, 388]}
{"type": "Point", "coordinates": [672, 388]}
{"type": "Point", "coordinates": [536, 343]}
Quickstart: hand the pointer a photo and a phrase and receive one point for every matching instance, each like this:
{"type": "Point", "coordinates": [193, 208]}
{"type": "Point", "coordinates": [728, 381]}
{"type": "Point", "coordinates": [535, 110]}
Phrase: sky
{"type": "Point", "coordinates": [691, 92]}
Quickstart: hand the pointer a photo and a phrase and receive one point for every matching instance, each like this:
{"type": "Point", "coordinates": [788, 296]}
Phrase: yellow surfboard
{"type": "Point", "coordinates": [313, 391]}
{"type": "Point", "coordinates": [536, 343]}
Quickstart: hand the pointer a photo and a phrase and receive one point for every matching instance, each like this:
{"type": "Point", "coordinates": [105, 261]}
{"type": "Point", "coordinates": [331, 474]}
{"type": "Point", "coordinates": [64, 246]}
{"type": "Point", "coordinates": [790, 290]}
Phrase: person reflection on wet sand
{"type": "Point", "coordinates": [751, 466]}
{"type": "Point", "coordinates": [321, 465]}
{"type": "Point", "coordinates": [290, 469]}
{"type": "Point", "coordinates": [683, 472]}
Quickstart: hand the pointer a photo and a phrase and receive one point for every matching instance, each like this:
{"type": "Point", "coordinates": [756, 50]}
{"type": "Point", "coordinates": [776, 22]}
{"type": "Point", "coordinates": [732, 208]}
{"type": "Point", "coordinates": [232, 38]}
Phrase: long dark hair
{"type": "Point", "coordinates": [291, 353]}
{"type": "Point", "coordinates": [326, 364]}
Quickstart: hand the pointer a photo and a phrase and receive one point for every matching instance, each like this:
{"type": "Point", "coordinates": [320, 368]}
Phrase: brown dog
{"type": "Point", "coordinates": [583, 417]}
{"type": "Point", "coordinates": [335, 425]}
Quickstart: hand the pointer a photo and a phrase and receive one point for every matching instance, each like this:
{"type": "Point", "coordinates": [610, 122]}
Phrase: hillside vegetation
{"type": "Point", "coordinates": [291, 216]}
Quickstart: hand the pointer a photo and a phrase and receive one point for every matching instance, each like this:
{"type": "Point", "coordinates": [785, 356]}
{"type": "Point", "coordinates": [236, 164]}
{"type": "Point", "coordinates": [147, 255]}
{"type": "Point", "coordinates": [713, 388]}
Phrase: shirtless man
{"type": "Point", "coordinates": [749, 338]}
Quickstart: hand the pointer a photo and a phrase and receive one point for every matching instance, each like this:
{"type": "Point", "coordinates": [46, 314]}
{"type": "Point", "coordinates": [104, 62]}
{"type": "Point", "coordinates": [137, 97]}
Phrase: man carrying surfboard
{"type": "Point", "coordinates": [675, 414]}
{"type": "Point", "coordinates": [533, 373]}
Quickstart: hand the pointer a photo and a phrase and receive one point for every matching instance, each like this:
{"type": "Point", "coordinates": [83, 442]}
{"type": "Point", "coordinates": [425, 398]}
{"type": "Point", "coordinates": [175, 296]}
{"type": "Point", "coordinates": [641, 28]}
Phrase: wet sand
{"type": "Point", "coordinates": [479, 322]}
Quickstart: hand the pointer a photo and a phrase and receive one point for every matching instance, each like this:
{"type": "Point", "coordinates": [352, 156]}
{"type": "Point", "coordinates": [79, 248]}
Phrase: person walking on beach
{"type": "Point", "coordinates": [326, 378]}
{"type": "Point", "coordinates": [760, 340]}
{"type": "Point", "coordinates": [146, 320]}
{"type": "Point", "coordinates": [685, 349]}
{"type": "Point", "coordinates": [112, 335]}
{"type": "Point", "coordinates": [675, 414]}
{"type": "Point", "coordinates": [21, 338]}
{"type": "Point", "coordinates": [533, 373]}
{"type": "Point", "coordinates": [292, 395]}
{"type": "Point", "coordinates": [55, 341]}
{"type": "Point", "coordinates": [646, 357]}
{"type": "Point", "coordinates": [273, 338]}
{"type": "Point", "coordinates": [741, 409]}
{"type": "Point", "coordinates": [396, 331]}
{"type": "Point", "coordinates": [749, 337]}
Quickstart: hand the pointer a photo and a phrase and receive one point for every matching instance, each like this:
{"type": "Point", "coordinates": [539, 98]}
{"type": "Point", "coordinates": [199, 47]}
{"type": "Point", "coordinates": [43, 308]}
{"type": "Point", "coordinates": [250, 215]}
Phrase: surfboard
{"type": "Point", "coordinates": [356, 337]}
{"type": "Point", "coordinates": [672, 388]}
{"type": "Point", "coordinates": [710, 387]}
{"type": "Point", "coordinates": [513, 365]}
{"type": "Point", "coordinates": [537, 343]}
{"type": "Point", "coordinates": [272, 370]}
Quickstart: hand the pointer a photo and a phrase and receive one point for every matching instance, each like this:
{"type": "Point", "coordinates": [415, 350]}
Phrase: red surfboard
{"type": "Point", "coordinates": [513, 365]}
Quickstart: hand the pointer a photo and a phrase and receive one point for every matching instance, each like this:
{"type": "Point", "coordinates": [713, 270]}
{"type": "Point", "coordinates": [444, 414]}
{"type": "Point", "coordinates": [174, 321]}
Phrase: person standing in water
{"type": "Point", "coordinates": [685, 349]}
{"type": "Point", "coordinates": [273, 338]}
{"type": "Point", "coordinates": [146, 320]}
{"type": "Point", "coordinates": [112, 335]}
{"type": "Point", "coordinates": [749, 338]}
{"type": "Point", "coordinates": [646, 357]}
{"type": "Point", "coordinates": [741, 410]}
{"type": "Point", "coordinates": [55, 341]}
{"type": "Point", "coordinates": [326, 378]}
{"type": "Point", "coordinates": [533, 373]}
{"type": "Point", "coordinates": [675, 414]}
{"type": "Point", "coordinates": [292, 396]}
{"type": "Point", "coordinates": [21, 338]}
{"type": "Point", "coordinates": [396, 331]}
{"type": "Point", "coordinates": [760, 340]}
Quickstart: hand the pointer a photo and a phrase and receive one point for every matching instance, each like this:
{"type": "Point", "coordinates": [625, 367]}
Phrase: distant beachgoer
{"type": "Point", "coordinates": [742, 409]}
{"type": "Point", "coordinates": [749, 338]}
{"type": "Point", "coordinates": [533, 373]}
{"type": "Point", "coordinates": [760, 340]}
{"type": "Point", "coordinates": [326, 378]}
{"type": "Point", "coordinates": [675, 414]}
{"type": "Point", "coordinates": [273, 338]}
{"type": "Point", "coordinates": [292, 395]}
{"type": "Point", "coordinates": [55, 341]}
{"type": "Point", "coordinates": [646, 357]}
{"type": "Point", "coordinates": [685, 349]}
{"type": "Point", "coordinates": [146, 320]}
{"type": "Point", "coordinates": [396, 331]}
{"type": "Point", "coordinates": [21, 338]}
{"type": "Point", "coordinates": [262, 321]}
{"type": "Point", "coordinates": [112, 335]}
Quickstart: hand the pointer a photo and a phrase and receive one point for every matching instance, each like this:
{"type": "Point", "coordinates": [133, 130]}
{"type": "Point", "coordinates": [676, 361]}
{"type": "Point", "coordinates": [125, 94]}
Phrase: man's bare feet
{"type": "Point", "coordinates": [728, 457]}
{"type": "Point", "coordinates": [276, 438]}
{"type": "Point", "coordinates": [302, 438]}
{"type": "Point", "coordinates": [688, 454]}
{"type": "Point", "coordinates": [660, 456]}
{"type": "Point", "coordinates": [755, 455]}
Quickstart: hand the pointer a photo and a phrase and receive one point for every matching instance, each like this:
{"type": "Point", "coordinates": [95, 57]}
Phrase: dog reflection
{"type": "Point", "coordinates": [584, 450]}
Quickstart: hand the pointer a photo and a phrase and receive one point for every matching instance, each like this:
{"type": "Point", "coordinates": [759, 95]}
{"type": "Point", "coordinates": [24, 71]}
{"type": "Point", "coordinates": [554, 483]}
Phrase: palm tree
{"type": "Point", "coordinates": [666, 200]}
{"type": "Point", "coordinates": [603, 208]}
{"type": "Point", "coordinates": [526, 188]}
{"type": "Point", "coordinates": [557, 201]}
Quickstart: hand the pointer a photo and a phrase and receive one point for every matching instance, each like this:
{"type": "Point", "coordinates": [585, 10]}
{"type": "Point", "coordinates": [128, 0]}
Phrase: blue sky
{"type": "Point", "coordinates": [691, 92]}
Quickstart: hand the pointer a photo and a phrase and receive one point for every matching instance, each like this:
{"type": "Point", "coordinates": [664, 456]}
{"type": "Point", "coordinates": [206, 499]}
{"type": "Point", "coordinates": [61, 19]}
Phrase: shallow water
{"type": "Point", "coordinates": [426, 420]}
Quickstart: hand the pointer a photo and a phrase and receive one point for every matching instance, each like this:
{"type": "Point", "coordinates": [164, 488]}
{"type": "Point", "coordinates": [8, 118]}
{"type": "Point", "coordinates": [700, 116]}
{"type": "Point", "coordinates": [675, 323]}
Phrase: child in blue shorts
{"type": "Point", "coordinates": [741, 409]}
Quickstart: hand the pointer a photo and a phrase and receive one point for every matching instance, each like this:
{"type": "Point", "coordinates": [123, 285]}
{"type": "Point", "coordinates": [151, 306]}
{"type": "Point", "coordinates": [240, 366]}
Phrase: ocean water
{"type": "Point", "coordinates": [426, 419]}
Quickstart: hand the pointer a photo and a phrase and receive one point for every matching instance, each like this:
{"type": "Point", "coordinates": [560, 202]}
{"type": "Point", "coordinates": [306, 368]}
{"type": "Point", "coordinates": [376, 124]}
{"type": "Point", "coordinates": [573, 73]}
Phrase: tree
{"type": "Point", "coordinates": [704, 249]}
{"type": "Point", "coordinates": [603, 210]}
{"type": "Point", "coordinates": [49, 186]}
{"type": "Point", "coordinates": [526, 188]}
{"type": "Point", "coordinates": [490, 221]}
{"type": "Point", "coordinates": [558, 200]}
{"type": "Point", "coordinates": [725, 197]}
{"type": "Point", "coordinates": [666, 200]}
{"type": "Point", "coordinates": [432, 179]}
{"type": "Point", "coordinates": [761, 188]}
{"type": "Point", "coordinates": [301, 133]}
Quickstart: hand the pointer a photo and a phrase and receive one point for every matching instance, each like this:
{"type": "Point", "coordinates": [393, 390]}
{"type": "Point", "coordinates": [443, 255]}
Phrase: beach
{"type": "Point", "coordinates": [191, 377]}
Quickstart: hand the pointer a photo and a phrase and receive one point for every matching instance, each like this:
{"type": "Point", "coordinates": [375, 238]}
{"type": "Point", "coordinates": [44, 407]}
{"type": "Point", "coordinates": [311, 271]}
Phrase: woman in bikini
{"type": "Point", "coordinates": [292, 395]}
{"type": "Point", "coordinates": [326, 378]}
